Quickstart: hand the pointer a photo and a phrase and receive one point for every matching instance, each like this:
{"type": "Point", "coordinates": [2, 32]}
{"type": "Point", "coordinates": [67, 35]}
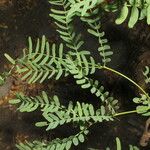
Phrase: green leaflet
{"type": "Point", "coordinates": [41, 124]}
{"type": "Point", "coordinates": [1, 80]}
{"type": "Point", "coordinates": [134, 17]}
{"type": "Point", "coordinates": [147, 70]}
{"type": "Point", "coordinates": [81, 138]}
{"type": "Point", "coordinates": [26, 75]}
{"type": "Point", "coordinates": [14, 101]}
{"type": "Point", "coordinates": [93, 32]}
{"type": "Point", "coordinates": [37, 46]}
{"type": "Point", "coordinates": [75, 141]}
{"type": "Point", "coordinates": [91, 110]}
{"type": "Point", "coordinates": [79, 109]}
{"type": "Point", "coordinates": [123, 14]}
{"type": "Point", "coordinates": [118, 143]}
{"type": "Point", "coordinates": [46, 57]}
{"type": "Point", "coordinates": [30, 45]}
{"type": "Point", "coordinates": [148, 14]}
{"type": "Point", "coordinates": [10, 59]}
{"type": "Point", "coordinates": [55, 11]}
{"type": "Point", "coordinates": [142, 109]}
{"type": "Point", "coordinates": [143, 13]}
{"type": "Point", "coordinates": [4, 76]}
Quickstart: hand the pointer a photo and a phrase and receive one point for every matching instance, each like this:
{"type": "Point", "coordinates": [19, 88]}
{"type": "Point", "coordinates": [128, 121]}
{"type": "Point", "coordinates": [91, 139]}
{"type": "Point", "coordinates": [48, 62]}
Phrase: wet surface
{"type": "Point", "coordinates": [22, 18]}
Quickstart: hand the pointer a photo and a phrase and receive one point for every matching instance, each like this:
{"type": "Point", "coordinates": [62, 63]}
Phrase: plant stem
{"type": "Point", "coordinates": [125, 113]}
{"type": "Point", "coordinates": [124, 76]}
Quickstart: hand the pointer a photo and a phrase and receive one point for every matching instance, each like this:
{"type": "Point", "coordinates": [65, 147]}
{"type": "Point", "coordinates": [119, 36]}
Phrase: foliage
{"type": "Point", "coordinates": [65, 27]}
{"type": "Point", "coordinates": [3, 77]}
{"type": "Point", "coordinates": [44, 61]}
{"type": "Point", "coordinates": [93, 21]}
{"type": "Point", "coordinates": [146, 73]}
{"type": "Point", "coordinates": [35, 145]}
{"type": "Point", "coordinates": [56, 115]}
{"type": "Point", "coordinates": [118, 146]}
{"type": "Point", "coordinates": [57, 144]}
{"type": "Point", "coordinates": [139, 9]}
{"type": "Point", "coordinates": [144, 106]}
{"type": "Point", "coordinates": [2, 80]}
{"type": "Point", "coordinates": [40, 63]}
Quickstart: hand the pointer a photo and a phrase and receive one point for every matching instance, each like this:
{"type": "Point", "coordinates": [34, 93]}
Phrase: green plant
{"type": "Point", "coordinates": [140, 9]}
{"type": "Point", "coordinates": [118, 146]}
{"type": "Point", "coordinates": [39, 145]}
{"type": "Point", "coordinates": [3, 77]}
{"type": "Point", "coordinates": [45, 61]}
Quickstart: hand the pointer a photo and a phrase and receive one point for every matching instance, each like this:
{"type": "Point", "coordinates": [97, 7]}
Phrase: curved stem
{"type": "Point", "coordinates": [125, 113]}
{"type": "Point", "coordinates": [124, 76]}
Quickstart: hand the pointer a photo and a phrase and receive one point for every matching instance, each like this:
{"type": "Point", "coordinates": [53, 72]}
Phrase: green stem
{"type": "Point", "coordinates": [124, 76]}
{"type": "Point", "coordinates": [125, 113]}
